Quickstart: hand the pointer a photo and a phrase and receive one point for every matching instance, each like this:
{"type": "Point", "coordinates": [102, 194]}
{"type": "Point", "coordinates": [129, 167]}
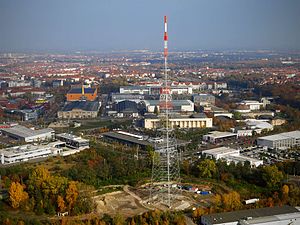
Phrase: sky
{"type": "Point", "coordinates": [106, 25]}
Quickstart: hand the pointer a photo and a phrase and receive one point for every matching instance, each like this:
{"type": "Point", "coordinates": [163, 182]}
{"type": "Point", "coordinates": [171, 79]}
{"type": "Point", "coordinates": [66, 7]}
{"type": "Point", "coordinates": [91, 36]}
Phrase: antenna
{"type": "Point", "coordinates": [165, 162]}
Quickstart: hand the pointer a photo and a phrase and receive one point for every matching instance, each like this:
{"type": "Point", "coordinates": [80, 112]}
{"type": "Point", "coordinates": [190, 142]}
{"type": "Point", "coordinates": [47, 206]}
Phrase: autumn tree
{"type": "Point", "coordinates": [61, 203]}
{"type": "Point", "coordinates": [231, 201]}
{"type": "Point", "coordinates": [285, 193]}
{"type": "Point", "coordinates": [71, 194]}
{"type": "Point", "coordinates": [272, 176]}
{"type": "Point", "coordinates": [207, 168]}
{"type": "Point", "coordinates": [17, 194]}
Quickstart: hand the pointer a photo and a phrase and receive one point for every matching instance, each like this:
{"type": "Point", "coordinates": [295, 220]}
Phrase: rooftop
{"type": "Point", "coordinates": [24, 132]}
{"type": "Point", "coordinates": [79, 90]}
{"type": "Point", "coordinates": [219, 134]}
{"type": "Point", "coordinates": [220, 150]}
{"type": "Point", "coordinates": [282, 136]}
{"type": "Point", "coordinates": [71, 137]}
{"type": "Point", "coordinates": [83, 105]}
{"type": "Point", "coordinates": [226, 217]}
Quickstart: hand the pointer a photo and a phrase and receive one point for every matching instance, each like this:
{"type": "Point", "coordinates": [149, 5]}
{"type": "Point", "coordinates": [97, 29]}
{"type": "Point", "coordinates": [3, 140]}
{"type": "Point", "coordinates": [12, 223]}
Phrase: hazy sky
{"type": "Point", "coordinates": [43, 25]}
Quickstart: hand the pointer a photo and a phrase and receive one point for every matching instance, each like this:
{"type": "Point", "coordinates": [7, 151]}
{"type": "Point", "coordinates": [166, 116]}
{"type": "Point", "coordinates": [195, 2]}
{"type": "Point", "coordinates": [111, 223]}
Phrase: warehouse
{"type": "Point", "coordinates": [280, 141]}
{"type": "Point", "coordinates": [276, 215]}
{"type": "Point", "coordinates": [25, 134]}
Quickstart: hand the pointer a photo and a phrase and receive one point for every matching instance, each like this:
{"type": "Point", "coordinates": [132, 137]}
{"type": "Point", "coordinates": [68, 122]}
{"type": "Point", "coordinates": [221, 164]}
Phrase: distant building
{"type": "Point", "coordinates": [218, 137]}
{"type": "Point", "coordinates": [203, 99]}
{"type": "Point", "coordinates": [278, 215]}
{"type": "Point", "coordinates": [117, 97]}
{"type": "Point", "coordinates": [231, 155]}
{"type": "Point", "coordinates": [280, 141]}
{"type": "Point", "coordinates": [178, 105]}
{"type": "Point", "coordinates": [253, 105]}
{"type": "Point", "coordinates": [154, 90]}
{"type": "Point", "coordinates": [80, 110]}
{"type": "Point", "coordinates": [179, 122]}
{"type": "Point", "coordinates": [25, 134]}
{"type": "Point", "coordinates": [83, 93]}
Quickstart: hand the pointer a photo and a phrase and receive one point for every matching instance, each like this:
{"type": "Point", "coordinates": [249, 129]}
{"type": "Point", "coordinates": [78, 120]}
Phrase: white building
{"type": "Point", "coordinates": [253, 105]}
{"type": "Point", "coordinates": [280, 141]}
{"type": "Point", "coordinates": [68, 144]}
{"type": "Point", "coordinates": [231, 155]}
{"type": "Point", "coordinates": [258, 125]}
{"type": "Point", "coordinates": [180, 122]}
{"type": "Point", "coordinates": [28, 152]}
{"type": "Point", "coordinates": [28, 135]}
{"type": "Point", "coordinates": [178, 105]}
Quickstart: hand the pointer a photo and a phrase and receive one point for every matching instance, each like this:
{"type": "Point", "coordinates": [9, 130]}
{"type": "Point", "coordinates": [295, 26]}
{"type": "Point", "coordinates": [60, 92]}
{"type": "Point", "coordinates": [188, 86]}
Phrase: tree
{"type": "Point", "coordinates": [285, 193]}
{"type": "Point", "coordinates": [72, 194]}
{"type": "Point", "coordinates": [61, 204]}
{"type": "Point", "coordinates": [17, 194]}
{"type": "Point", "coordinates": [207, 168]}
{"type": "Point", "coordinates": [272, 176]}
{"type": "Point", "coordinates": [231, 201]}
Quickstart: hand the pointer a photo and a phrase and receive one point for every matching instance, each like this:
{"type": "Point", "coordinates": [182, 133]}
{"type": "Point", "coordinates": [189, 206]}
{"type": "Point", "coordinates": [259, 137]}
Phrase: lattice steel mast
{"type": "Point", "coordinates": [165, 171]}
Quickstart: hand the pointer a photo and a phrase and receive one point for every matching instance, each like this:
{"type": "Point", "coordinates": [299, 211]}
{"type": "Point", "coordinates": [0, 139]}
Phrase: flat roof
{"type": "Point", "coordinates": [268, 219]}
{"type": "Point", "coordinates": [25, 132]}
{"type": "Point", "coordinates": [128, 138]}
{"type": "Point", "coordinates": [220, 150]}
{"type": "Point", "coordinates": [28, 148]}
{"type": "Point", "coordinates": [71, 137]}
{"type": "Point", "coordinates": [218, 134]}
{"type": "Point", "coordinates": [282, 136]}
{"type": "Point", "coordinates": [226, 217]}
{"type": "Point", "coordinates": [174, 102]}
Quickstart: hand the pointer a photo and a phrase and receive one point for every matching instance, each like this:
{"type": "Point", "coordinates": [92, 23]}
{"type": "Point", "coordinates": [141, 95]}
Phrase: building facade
{"type": "Point", "coordinates": [83, 93]}
{"type": "Point", "coordinates": [152, 123]}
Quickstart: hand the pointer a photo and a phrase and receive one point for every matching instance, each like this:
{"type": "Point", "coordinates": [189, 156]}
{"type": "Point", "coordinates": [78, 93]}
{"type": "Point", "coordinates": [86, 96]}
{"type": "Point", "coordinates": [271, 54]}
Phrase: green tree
{"type": "Point", "coordinates": [207, 168]}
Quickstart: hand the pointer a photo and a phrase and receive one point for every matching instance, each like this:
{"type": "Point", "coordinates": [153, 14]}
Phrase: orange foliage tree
{"type": "Point", "coordinates": [17, 194]}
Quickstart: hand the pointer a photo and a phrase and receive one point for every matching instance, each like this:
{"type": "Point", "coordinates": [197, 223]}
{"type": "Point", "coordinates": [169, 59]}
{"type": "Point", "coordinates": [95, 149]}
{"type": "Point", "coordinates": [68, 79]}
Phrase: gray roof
{"type": "Point", "coordinates": [83, 105]}
{"type": "Point", "coordinates": [24, 132]}
{"type": "Point", "coordinates": [226, 217]}
{"type": "Point", "coordinates": [286, 135]}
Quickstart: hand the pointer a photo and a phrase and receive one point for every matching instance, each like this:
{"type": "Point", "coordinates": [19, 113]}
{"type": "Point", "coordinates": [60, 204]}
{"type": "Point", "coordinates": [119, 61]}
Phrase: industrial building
{"type": "Point", "coordinates": [280, 141]}
{"type": "Point", "coordinates": [79, 109]}
{"type": "Point", "coordinates": [25, 134]}
{"type": "Point", "coordinates": [179, 122]}
{"type": "Point", "coordinates": [73, 141]}
{"type": "Point", "coordinates": [83, 93]}
{"type": "Point", "coordinates": [279, 215]}
{"type": "Point", "coordinates": [231, 155]}
{"type": "Point", "coordinates": [215, 137]}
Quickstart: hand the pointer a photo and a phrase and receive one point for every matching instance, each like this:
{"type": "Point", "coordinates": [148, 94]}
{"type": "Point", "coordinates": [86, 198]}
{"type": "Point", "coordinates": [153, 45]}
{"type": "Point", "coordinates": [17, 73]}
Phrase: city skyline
{"type": "Point", "coordinates": [127, 25]}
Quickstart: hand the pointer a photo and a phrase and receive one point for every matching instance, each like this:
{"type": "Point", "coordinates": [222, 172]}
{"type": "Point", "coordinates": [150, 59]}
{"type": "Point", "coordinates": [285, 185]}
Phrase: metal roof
{"type": "Point", "coordinates": [25, 132]}
{"type": "Point", "coordinates": [226, 217]}
{"type": "Point", "coordinates": [282, 136]}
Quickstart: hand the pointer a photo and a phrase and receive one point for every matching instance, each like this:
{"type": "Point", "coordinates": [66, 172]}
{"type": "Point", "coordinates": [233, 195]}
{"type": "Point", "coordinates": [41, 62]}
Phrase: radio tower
{"type": "Point", "coordinates": [165, 164]}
